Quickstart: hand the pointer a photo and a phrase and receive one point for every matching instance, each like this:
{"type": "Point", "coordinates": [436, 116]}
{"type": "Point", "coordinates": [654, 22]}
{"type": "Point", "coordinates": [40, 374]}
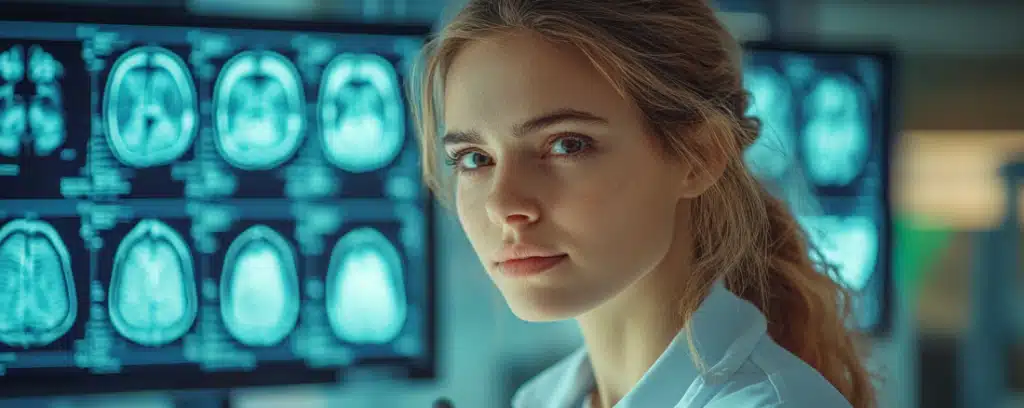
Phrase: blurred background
{"type": "Point", "coordinates": [924, 197]}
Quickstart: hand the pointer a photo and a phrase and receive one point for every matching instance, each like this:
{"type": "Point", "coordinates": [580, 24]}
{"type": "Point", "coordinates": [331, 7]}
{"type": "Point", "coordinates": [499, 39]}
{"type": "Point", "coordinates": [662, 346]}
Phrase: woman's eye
{"type": "Point", "coordinates": [570, 145]}
{"type": "Point", "coordinates": [472, 160]}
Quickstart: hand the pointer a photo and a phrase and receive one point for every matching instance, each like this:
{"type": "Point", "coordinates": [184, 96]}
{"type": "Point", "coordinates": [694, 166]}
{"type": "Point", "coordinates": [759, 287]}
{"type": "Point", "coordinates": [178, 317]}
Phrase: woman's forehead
{"type": "Point", "coordinates": [507, 80]}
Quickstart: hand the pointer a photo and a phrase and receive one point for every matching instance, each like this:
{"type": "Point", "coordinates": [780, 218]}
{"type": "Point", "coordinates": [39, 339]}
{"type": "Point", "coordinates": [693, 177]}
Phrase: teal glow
{"type": "Point", "coordinates": [836, 138]}
{"type": "Point", "coordinates": [772, 102]}
{"type": "Point", "coordinates": [851, 243]}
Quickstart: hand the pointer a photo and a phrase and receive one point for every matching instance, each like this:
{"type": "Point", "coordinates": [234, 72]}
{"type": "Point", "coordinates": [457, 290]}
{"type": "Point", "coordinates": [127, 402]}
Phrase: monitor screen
{"type": "Point", "coordinates": [207, 203]}
{"type": "Point", "coordinates": [824, 149]}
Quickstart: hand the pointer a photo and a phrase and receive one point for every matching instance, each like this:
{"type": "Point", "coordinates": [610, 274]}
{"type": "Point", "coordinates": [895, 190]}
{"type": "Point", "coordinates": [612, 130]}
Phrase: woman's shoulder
{"type": "Point", "coordinates": [773, 377]}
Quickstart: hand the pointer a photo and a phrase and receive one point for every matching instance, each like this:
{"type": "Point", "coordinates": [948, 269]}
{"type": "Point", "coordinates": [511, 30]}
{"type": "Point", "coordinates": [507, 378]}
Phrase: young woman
{"type": "Point", "coordinates": [596, 156]}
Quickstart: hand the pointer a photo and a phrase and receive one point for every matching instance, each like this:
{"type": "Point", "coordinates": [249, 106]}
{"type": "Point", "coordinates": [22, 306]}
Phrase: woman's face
{"type": "Point", "coordinates": [550, 160]}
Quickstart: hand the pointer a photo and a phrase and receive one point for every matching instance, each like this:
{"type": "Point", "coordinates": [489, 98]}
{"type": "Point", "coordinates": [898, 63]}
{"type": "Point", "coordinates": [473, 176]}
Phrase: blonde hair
{"type": "Point", "coordinates": [679, 65]}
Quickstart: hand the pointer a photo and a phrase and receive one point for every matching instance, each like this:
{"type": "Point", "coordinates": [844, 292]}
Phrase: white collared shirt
{"type": "Point", "coordinates": [746, 369]}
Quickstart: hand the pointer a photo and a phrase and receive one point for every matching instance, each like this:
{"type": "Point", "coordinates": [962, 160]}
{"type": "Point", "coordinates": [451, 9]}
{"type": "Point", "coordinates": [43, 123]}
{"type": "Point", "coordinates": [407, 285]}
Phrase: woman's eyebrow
{"type": "Point", "coordinates": [530, 126]}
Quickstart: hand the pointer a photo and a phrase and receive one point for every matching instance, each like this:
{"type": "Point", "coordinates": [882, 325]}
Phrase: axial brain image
{"type": "Point", "coordinates": [149, 107]}
{"type": "Point", "coordinates": [361, 113]}
{"type": "Point", "coordinates": [366, 288]}
{"type": "Point", "coordinates": [259, 110]}
{"type": "Point", "coordinates": [37, 293]}
{"type": "Point", "coordinates": [259, 288]}
{"type": "Point", "coordinates": [837, 136]}
{"type": "Point", "coordinates": [152, 294]}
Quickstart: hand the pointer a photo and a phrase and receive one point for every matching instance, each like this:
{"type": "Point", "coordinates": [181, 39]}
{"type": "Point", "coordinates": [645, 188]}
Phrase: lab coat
{"type": "Point", "coordinates": [746, 369]}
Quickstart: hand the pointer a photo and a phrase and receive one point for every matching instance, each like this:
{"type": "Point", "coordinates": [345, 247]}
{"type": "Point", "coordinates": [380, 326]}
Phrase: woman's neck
{"type": "Point", "coordinates": [626, 335]}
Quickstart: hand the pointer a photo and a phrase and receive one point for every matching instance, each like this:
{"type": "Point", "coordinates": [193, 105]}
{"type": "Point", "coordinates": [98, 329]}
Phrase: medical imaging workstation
{"type": "Point", "coordinates": [207, 203]}
{"type": "Point", "coordinates": [827, 129]}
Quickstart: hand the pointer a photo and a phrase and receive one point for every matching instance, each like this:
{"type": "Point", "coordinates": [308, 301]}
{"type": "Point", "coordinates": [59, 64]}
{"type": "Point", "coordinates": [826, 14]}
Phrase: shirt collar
{"type": "Point", "coordinates": [725, 330]}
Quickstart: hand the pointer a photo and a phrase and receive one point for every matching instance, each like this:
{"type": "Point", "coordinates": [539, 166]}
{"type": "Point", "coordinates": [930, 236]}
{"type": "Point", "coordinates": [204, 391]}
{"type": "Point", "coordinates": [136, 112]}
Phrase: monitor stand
{"type": "Point", "coordinates": [202, 399]}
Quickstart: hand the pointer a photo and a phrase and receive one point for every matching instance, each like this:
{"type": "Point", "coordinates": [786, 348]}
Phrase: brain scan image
{"type": "Point", "coordinates": [37, 117]}
{"type": "Point", "coordinates": [772, 101]}
{"type": "Point", "coordinates": [13, 110]}
{"type": "Point", "coordinates": [836, 140]}
{"type": "Point", "coordinates": [152, 289]}
{"type": "Point", "coordinates": [46, 107]}
{"type": "Point", "coordinates": [37, 289]}
{"type": "Point", "coordinates": [259, 109]}
{"type": "Point", "coordinates": [366, 301]}
{"type": "Point", "coordinates": [259, 288]}
{"type": "Point", "coordinates": [361, 113]}
{"type": "Point", "coordinates": [149, 108]}
{"type": "Point", "coordinates": [850, 243]}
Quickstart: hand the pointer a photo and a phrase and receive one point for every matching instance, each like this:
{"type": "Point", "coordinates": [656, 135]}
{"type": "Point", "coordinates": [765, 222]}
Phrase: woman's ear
{"type": "Point", "coordinates": [706, 157]}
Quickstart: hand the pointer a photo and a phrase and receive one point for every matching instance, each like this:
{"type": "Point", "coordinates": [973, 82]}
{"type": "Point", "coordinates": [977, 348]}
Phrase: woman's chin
{"type": "Point", "coordinates": [541, 309]}
{"type": "Point", "coordinates": [533, 316]}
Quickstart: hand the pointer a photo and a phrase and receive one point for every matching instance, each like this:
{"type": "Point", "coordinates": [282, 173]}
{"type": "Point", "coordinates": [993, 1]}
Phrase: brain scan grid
{"type": "Point", "coordinates": [193, 197]}
{"type": "Point", "coordinates": [822, 126]}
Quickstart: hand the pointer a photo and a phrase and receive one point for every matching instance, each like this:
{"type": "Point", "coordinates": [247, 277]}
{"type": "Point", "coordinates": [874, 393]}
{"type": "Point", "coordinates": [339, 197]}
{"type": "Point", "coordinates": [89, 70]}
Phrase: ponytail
{"type": "Point", "coordinates": [807, 310]}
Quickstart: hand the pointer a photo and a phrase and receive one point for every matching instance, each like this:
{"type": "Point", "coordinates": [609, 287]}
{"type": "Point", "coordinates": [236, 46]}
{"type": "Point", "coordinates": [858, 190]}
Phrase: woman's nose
{"type": "Point", "coordinates": [512, 200]}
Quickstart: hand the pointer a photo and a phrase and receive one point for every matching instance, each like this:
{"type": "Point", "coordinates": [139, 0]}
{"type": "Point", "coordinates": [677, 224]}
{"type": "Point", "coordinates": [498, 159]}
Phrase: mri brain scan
{"type": "Point", "coordinates": [149, 107]}
{"type": "Point", "coordinates": [259, 288]}
{"type": "Point", "coordinates": [36, 117]}
{"type": "Point", "coordinates": [46, 107]}
{"type": "Point", "coordinates": [152, 294]}
{"type": "Point", "coordinates": [259, 110]}
{"type": "Point", "coordinates": [772, 101]}
{"type": "Point", "coordinates": [836, 139]}
{"type": "Point", "coordinates": [850, 243]}
{"type": "Point", "coordinates": [361, 113]}
{"type": "Point", "coordinates": [13, 112]}
{"type": "Point", "coordinates": [366, 301]}
{"type": "Point", "coordinates": [37, 289]}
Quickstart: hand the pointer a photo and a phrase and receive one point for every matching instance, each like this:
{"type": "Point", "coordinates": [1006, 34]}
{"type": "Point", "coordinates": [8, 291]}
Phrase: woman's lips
{"type": "Point", "coordinates": [530, 266]}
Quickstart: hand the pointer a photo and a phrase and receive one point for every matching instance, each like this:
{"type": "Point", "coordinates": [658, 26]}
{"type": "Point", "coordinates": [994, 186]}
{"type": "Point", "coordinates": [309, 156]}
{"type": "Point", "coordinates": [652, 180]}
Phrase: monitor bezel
{"type": "Point", "coordinates": [887, 58]}
{"type": "Point", "coordinates": [417, 369]}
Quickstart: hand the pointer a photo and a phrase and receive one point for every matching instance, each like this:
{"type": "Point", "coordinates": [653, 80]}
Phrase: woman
{"type": "Point", "coordinates": [596, 156]}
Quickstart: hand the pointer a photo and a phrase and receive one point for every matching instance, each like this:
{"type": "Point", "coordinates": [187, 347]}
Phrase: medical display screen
{"type": "Point", "coordinates": [823, 148]}
{"type": "Point", "coordinates": [181, 202]}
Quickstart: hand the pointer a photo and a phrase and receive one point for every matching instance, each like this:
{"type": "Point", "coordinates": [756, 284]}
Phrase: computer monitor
{"type": "Point", "coordinates": [207, 203]}
{"type": "Point", "coordinates": [824, 148]}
